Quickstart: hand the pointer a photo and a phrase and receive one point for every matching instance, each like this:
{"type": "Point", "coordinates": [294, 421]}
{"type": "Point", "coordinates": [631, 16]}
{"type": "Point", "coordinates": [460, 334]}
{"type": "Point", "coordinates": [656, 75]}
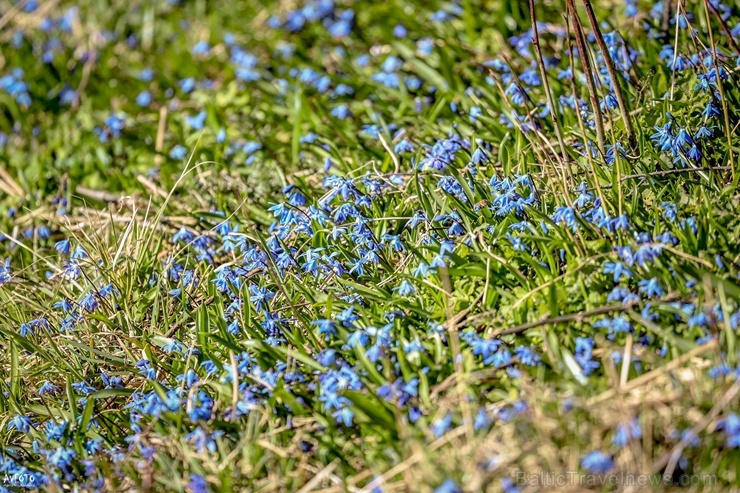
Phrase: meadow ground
{"type": "Point", "coordinates": [369, 246]}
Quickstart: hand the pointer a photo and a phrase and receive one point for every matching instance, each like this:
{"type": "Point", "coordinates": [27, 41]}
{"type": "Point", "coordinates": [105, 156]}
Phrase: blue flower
{"type": "Point", "coordinates": [259, 295]}
{"type": "Point", "coordinates": [404, 289]}
{"type": "Point", "coordinates": [358, 338]}
{"type": "Point", "coordinates": [198, 484]}
{"type": "Point", "coordinates": [617, 269]}
{"type": "Point", "coordinates": [400, 31]}
{"type": "Point", "coordinates": [20, 423]}
{"type": "Point", "coordinates": [614, 325]}
{"type": "Point", "coordinates": [341, 112]}
{"type": "Point", "coordinates": [449, 486]}
{"type": "Point", "coordinates": [196, 122]}
{"type": "Point", "coordinates": [201, 48]}
{"type": "Point", "coordinates": [79, 253]}
{"type": "Point", "coordinates": [650, 288]}
{"type": "Point", "coordinates": [508, 486]}
{"type": "Point", "coordinates": [481, 419]}
{"type": "Point", "coordinates": [146, 75]}
{"type": "Point", "coordinates": [47, 388]}
{"type": "Point", "coordinates": [61, 457]}
{"type": "Point", "coordinates": [178, 152]}
{"type": "Point", "coordinates": [5, 274]}
{"type": "Point", "coordinates": [344, 415]}
{"type": "Point", "coordinates": [527, 356]}
{"type": "Point", "coordinates": [442, 425]}
{"type": "Point", "coordinates": [403, 146]}
{"type": "Point", "coordinates": [627, 431]}
{"type": "Point", "coordinates": [731, 428]}
{"type": "Point", "coordinates": [500, 358]}
{"type": "Point", "coordinates": [144, 98]}
{"type": "Point", "coordinates": [90, 302]}
{"type": "Point", "coordinates": [326, 327]}
{"type": "Point", "coordinates": [26, 330]}
{"type": "Point", "coordinates": [413, 347]}
{"type": "Point", "coordinates": [173, 346]}
{"type": "Point", "coordinates": [62, 246]}
{"type": "Point", "coordinates": [583, 355]}
{"type": "Point", "coordinates": [597, 462]}
{"type": "Point", "coordinates": [187, 85]}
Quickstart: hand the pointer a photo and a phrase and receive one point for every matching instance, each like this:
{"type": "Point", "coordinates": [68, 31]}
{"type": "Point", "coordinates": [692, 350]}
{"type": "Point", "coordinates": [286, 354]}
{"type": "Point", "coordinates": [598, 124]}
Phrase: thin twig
{"type": "Point", "coordinates": [14, 10]}
{"type": "Point", "coordinates": [724, 27]}
{"type": "Point", "coordinates": [665, 24]}
{"type": "Point", "coordinates": [671, 172]}
{"type": "Point", "coordinates": [571, 317]}
{"type": "Point", "coordinates": [612, 74]}
{"type": "Point", "coordinates": [725, 110]}
{"type": "Point", "coordinates": [9, 184]}
{"type": "Point", "coordinates": [161, 130]}
{"type": "Point", "coordinates": [671, 460]}
{"type": "Point", "coordinates": [648, 377]}
{"type": "Point", "coordinates": [546, 84]}
{"type": "Point", "coordinates": [575, 317]}
{"type": "Point", "coordinates": [99, 195]}
{"type": "Point", "coordinates": [576, 105]}
{"type": "Point", "coordinates": [588, 72]}
{"type": "Point", "coordinates": [675, 50]}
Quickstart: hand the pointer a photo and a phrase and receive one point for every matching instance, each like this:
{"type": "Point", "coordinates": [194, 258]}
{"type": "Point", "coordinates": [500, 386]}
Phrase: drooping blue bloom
{"type": "Point", "coordinates": [259, 295]}
{"type": "Point", "coordinates": [187, 85]}
{"type": "Point", "coordinates": [20, 423]}
{"type": "Point", "coordinates": [730, 426]}
{"type": "Point", "coordinates": [328, 328]}
{"type": "Point", "coordinates": [500, 358]}
{"type": "Point", "coordinates": [144, 98]}
{"type": "Point", "coordinates": [597, 462]}
{"type": "Point", "coordinates": [47, 388]}
{"type": "Point", "coordinates": [617, 269]}
{"type": "Point", "coordinates": [626, 431]}
{"type": "Point", "coordinates": [423, 270]}
{"type": "Point", "coordinates": [201, 47]}
{"type": "Point", "coordinates": [527, 356]}
{"type": "Point", "coordinates": [90, 302]}
{"type": "Point", "coordinates": [413, 347]}
{"type": "Point", "coordinates": [5, 274]}
{"type": "Point", "coordinates": [583, 355]}
{"type": "Point", "coordinates": [358, 338]}
{"type": "Point", "coordinates": [614, 325]}
{"type": "Point", "coordinates": [650, 288]}
{"type": "Point", "coordinates": [63, 247]}
{"type": "Point", "coordinates": [196, 122]}
{"type": "Point", "coordinates": [178, 152]}
{"type": "Point", "coordinates": [442, 425]}
{"type": "Point", "coordinates": [399, 31]}
{"type": "Point", "coordinates": [173, 346]}
{"type": "Point", "coordinates": [197, 484]}
{"type": "Point", "coordinates": [448, 486]}
{"type": "Point", "coordinates": [79, 253]}
{"type": "Point", "coordinates": [405, 288]}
